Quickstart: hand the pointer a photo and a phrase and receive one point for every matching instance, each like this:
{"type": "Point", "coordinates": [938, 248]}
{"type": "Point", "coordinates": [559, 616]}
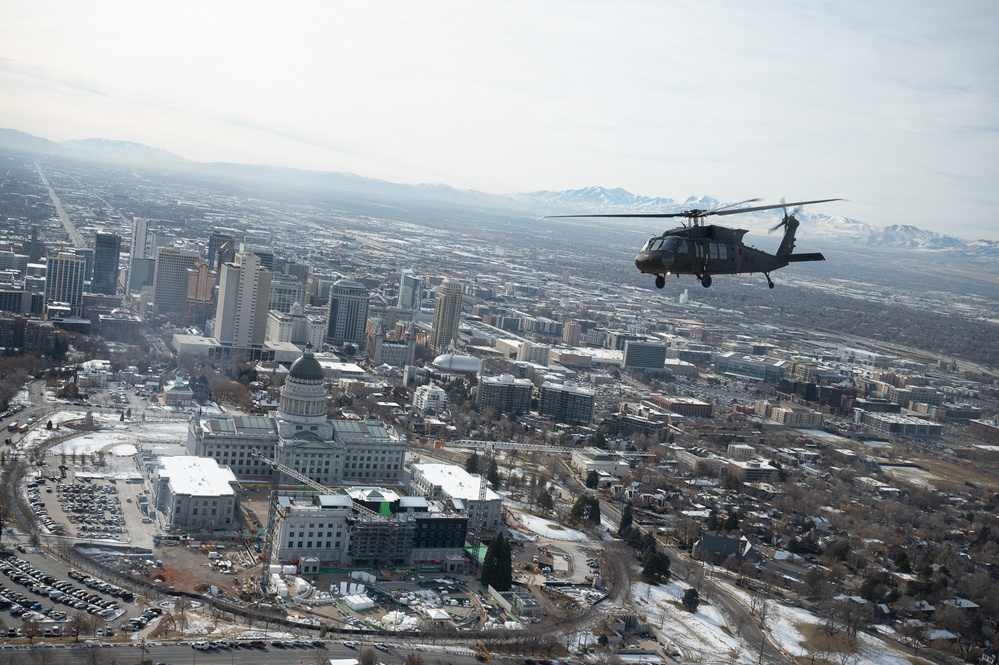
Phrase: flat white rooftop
{"type": "Point", "coordinates": [197, 476]}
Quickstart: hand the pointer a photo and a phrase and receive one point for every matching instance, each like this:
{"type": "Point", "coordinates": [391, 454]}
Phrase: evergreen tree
{"type": "Point", "coordinates": [593, 510]}
{"type": "Point", "coordinates": [493, 474]}
{"type": "Point", "coordinates": [545, 501]}
{"type": "Point", "coordinates": [504, 566]}
{"type": "Point", "coordinates": [591, 479]}
{"type": "Point", "coordinates": [626, 520]}
{"type": "Point", "coordinates": [732, 522]}
{"type": "Point", "coordinates": [691, 599]}
{"type": "Point", "coordinates": [472, 463]}
{"type": "Point", "coordinates": [656, 566]}
{"type": "Point", "coordinates": [497, 568]}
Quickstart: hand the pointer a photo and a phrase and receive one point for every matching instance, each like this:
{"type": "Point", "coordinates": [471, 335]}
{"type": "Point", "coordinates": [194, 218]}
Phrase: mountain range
{"type": "Point", "coordinates": [594, 199]}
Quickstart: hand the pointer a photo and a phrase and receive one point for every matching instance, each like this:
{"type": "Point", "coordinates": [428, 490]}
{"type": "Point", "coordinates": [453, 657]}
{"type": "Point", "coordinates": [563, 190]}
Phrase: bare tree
{"type": "Point", "coordinates": [77, 623]}
{"type": "Point", "coordinates": [32, 629]}
{"type": "Point", "coordinates": [367, 657]}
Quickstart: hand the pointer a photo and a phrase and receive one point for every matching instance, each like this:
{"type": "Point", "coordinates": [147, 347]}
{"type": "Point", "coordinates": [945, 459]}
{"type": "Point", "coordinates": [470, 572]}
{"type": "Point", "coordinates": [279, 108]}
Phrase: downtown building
{"type": "Point", "coordinates": [566, 403]}
{"type": "Point", "coordinates": [241, 311]}
{"type": "Point", "coordinates": [107, 252]}
{"type": "Point", "coordinates": [348, 314]}
{"type": "Point", "coordinates": [447, 314]}
{"type": "Point", "coordinates": [410, 292]}
{"type": "Point", "coordinates": [170, 281]}
{"type": "Point", "coordinates": [65, 275]}
{"type": "Point", "coordinates": [370, 526]}
{"type": "Point", "coordinates": [505, 393]}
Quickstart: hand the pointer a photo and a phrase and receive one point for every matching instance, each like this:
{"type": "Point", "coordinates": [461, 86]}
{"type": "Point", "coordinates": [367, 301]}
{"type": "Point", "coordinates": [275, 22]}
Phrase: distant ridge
{"type": "Point", "coordinates": [594, 199]}
{"type": "Point", "coordinates": [124, 151]}
{"type": "Point", "coordinates": [18, 140]}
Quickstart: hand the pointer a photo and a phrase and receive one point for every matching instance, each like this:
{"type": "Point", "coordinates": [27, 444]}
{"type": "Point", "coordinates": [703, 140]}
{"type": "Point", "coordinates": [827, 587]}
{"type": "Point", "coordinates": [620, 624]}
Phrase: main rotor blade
{"type": "Point", "coordinates": [700, 213]}
{"type": "Point", "coordinates": [770, 207]}
{"type": "Point", "coordinates": [714, 211]}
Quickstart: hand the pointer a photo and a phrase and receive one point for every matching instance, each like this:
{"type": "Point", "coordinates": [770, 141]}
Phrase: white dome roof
{"type": "Point", "coordinates": [456, 363]}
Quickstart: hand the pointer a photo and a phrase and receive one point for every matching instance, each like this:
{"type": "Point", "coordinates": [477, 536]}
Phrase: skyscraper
{"type": "Point", "coordinates": [137, 249]}
{"type": "Point", "coordinates": [410, 291]}
{"type": "Point", "coordinates": [218, 238]}
{"type": "Point", "coordinates": [88, 255]}
{"type": "Point", "coordinates": [107, 250]}
{"type": "Point", "coordinates": [286, 290]}
{"type": "Point", "coordinates": [447, 311]}
{"type": "Point", "coordinates": [199, 304]}
{"type": "Point", "coordinates": [64, 277]}
{"type": "Point", "coordinates": [170, 280]}
{"type": "Point", "coordinates": [241, 313]}
{"type": "Point", "coordinates": [348, 313]}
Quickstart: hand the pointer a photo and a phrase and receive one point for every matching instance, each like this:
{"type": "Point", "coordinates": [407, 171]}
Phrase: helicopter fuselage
{"type": "Point", "coordinates": [712, 250]}
{"type": "Point", "coordinates": [709, 250]}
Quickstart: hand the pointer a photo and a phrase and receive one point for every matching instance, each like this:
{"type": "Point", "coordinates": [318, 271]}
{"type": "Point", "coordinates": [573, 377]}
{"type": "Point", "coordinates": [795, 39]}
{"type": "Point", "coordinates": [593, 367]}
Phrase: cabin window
{"type": "Point", "coordinates": [712, 251]}
{"type": "Point", "coordinates": [722, 251]}
{"type": "Point", "coordinates": [682, 247]}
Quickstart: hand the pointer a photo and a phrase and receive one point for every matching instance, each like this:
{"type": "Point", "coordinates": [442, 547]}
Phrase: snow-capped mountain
{"type": "Point", "coordinates": [815, 225]}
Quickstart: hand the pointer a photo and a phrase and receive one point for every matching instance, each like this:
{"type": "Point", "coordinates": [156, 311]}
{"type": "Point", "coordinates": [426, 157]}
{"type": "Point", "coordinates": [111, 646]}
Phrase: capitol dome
{"type": "Point", "coordinates": [306, 368]}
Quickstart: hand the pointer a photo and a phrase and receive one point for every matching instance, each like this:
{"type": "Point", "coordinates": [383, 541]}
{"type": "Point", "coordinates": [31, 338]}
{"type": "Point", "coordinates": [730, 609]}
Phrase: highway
{"type": "Point", "coordinates": [75, 238]}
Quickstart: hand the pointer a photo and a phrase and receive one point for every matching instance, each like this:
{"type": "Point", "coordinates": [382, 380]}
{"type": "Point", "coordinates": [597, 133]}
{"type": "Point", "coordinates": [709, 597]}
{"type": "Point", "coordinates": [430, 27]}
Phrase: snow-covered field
{"type": "Point", "coordinates": [705, 637]}
{"type": "Point", "coordinates": [549, 529]}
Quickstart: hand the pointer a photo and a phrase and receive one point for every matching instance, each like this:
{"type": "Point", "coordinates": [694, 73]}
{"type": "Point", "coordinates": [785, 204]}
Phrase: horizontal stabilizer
{"type": "Point", "coordinates": [814, 256]}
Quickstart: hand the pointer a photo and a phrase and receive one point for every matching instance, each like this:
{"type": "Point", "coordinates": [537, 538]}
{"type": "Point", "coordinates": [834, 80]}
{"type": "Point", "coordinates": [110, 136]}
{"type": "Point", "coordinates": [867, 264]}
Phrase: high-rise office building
{"type": "Point", "coordinates": [299, 270]}
{"type": "Point", "coordinates": [140, 230]}
{"type": "Point", "coordinates": [241, 313]}
{"type": "Point", "coordinates": [410, 291]}
{"type": "Point", "coordinates": [64, 278]}
{"type": "Point", "coordinates": [265, 253]}
{"type": "Point", "coordinates": [447, 312]}
{"type": "Point", "coordinates": [286, 290]}
{"type": "Point", "coordinates": [170, 280]}
{"type": "Point", "coordinates": [88, 256]}
{"type": "Point", "coordinates": [200, 302]}
{"type": "Point", "coordinates": [348, 314]}
{"type": "Point", "coordinates": [107, 250]}
{"type": "Point", "coordinates": [218, 238]}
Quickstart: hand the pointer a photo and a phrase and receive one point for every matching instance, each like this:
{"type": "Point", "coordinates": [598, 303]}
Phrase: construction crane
{"type": "Point", "coordinates": [528, 447]}
{"type": "Point", "coordinates": [272, 508]}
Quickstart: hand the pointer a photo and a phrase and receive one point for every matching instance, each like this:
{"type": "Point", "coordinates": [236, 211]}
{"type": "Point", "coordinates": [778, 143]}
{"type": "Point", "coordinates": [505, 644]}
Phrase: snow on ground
{"type": "Point", "coordinates": [87, 444]}
{"type": "Point", "coordinates": [549, 529]}
{"type": "Point", "coordinates": [702, 636]}
{"type": "Point", "coordinates": [126, 450]}
{"type": "Point", "coordinates": [784, 629]}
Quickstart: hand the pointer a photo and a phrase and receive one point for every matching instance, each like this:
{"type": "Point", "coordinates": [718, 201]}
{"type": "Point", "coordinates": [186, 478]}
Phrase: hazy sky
{"type": "Point", "coordinates": [893, 105]}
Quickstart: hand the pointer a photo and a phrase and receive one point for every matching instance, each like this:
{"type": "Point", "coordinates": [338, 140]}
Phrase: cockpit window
{"type": "Point", "coordinates": [669, 244]}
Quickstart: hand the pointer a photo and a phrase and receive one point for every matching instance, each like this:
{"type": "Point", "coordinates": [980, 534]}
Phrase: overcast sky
{"type": "Point", "coordinates": [893, 105]}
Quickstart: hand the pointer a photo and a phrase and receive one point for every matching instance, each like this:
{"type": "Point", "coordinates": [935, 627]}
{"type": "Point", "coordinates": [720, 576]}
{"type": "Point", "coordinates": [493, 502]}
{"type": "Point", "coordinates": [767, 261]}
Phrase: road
{"type": "Point", "coordinates": [183, 653]}
{"type": "Point", "coordinates": [75, 238]}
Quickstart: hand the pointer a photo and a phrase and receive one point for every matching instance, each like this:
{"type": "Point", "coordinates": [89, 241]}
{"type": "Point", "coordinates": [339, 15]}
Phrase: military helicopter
{"type": "Point", "coordinates": [703, 251]}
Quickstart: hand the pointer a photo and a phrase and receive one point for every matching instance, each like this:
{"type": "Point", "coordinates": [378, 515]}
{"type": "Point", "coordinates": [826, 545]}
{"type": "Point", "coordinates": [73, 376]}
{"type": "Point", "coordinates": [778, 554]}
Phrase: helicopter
{"type": "Point", "coordinates": [703, 251]}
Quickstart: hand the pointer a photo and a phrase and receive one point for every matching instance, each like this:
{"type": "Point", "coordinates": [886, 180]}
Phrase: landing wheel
{"type": "Point", "coordinates": [770, 282]}
{"type": "Point", "coordinates": [706, 281]}
{"type": "Point", "coordinates": [660, 281]}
